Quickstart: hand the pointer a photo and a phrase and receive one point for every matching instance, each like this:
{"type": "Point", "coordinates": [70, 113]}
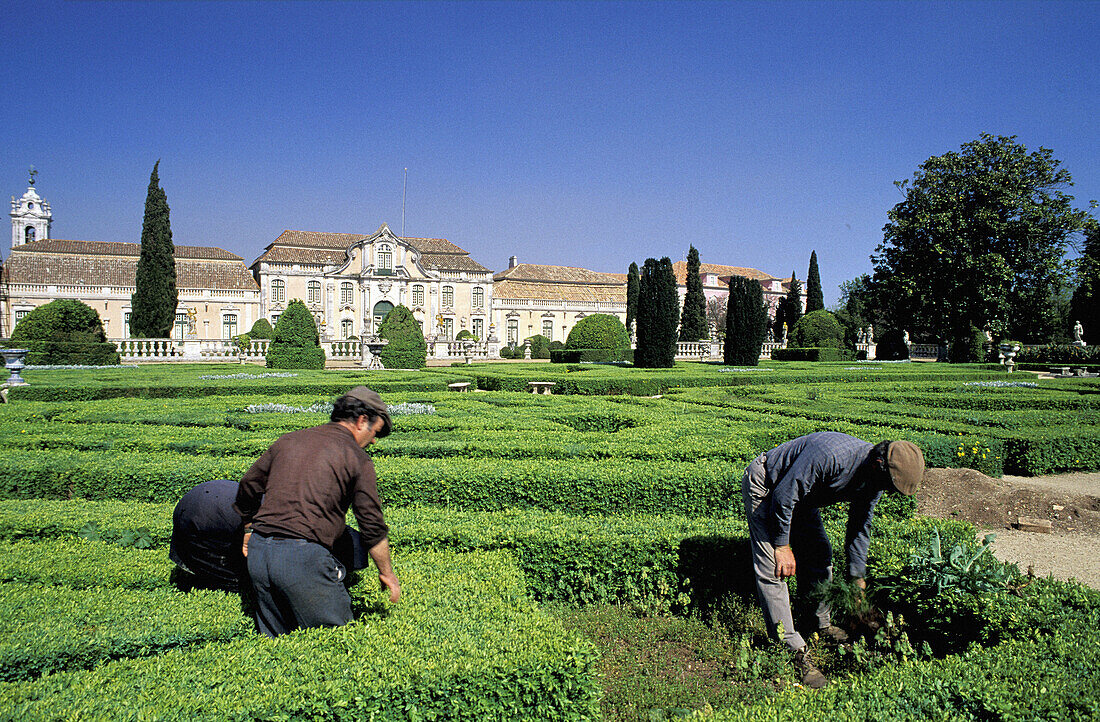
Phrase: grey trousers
{"type": "Point", "coordinates": [813, 556]}
{"type": "Point", "coordinates": [299, 584]}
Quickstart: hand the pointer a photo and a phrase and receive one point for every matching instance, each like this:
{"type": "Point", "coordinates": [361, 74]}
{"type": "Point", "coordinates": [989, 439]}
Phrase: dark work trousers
{"type": "Point", "coordinates": [812, 551]}
{"type": "Point", "coordinates": [299, 584]}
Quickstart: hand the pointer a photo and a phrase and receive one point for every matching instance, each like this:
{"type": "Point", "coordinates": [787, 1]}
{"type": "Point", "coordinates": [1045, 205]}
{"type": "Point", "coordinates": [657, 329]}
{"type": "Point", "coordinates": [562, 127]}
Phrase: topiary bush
{"type": "Point", "coordinates": [818, 329]}
{"type": "Point", "coordinates": [407, 348]}
{"type": "Point", "coordinates": [600, 337]}
{"type": "Point", "coordinates": [65, 331]}
{"type": "Point", "coordinates": [295, 343]}
{"type": "Point", "coordinates": [261, 330]}
{"type": "Point", "coordinates": [540, 346]}
{"type": "Point", "coordinates": [891, 346]}
{"type": "Point", "coordinates": [966, 347]}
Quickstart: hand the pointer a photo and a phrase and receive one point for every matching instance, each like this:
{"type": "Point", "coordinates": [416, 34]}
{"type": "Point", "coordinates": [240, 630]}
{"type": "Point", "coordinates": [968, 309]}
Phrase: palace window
{"type": "Point", "coordinates": [479, 329]}
{"type": "Point", "coordinates": [447, 327]}
{"type": "Point", "coordinates": [479, 298]}
{"type": "Point", "coordinates": [385, 260]}
{"type": "Point", "coordinates": [347, 294]}
{"type": "Point", "coordinates": [274, 319]}
{"type": "Point", "coordinates": [347, 328]}
{"type": "Point", "coordinates": [513, 331]}
{"type": "Point", "coordinates": [179, 330]}
{"type": "Point", "coordinates": [314, 291]}
{"type": "Point", "coordinates": [448, 296]}
{"type": "Point", "coordinates": [548, 328]}
{"type": "Point", "coordinates": [229, 325]}
{"type": "Point", "coordinates": [418, 295]}
{"type": "Point", "coordinates": [278, 291]}
{"type": "Point", "coordinates": [125, 324]}
{"type": "Point", "coordinates": [20, 315]}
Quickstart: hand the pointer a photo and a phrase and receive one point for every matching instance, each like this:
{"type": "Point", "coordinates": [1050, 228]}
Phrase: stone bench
{"type": "Point", "coordinates": [541, 387]}
{"type": "Point", "coordinates": [460, 386]}
{"type": "Point", "coordinates": [1060, 370]}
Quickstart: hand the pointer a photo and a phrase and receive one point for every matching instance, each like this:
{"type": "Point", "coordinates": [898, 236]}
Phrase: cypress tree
{"type": "Point", "coordinates": [746, 322]}
{"type": "Point", "coordinates": [693, 320]}
{"type": "Point", "coordinates": [154, 300]}
{"type": "Point", "coordinates": [631, 297]}
{"type": "Point", "coordinates": [658, 313]}
{"type": "Point", "coordinates": [295, 343]}
{"type": "Point", "coordinates": [407, 348]}
{"type": "Point", "coordinates": [815, 298]}
{"type": "Point", "coordinates": [794, 303]}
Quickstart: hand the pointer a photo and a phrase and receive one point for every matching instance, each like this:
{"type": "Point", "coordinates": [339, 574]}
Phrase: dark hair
{"type": "Point", "coordinates": [349, 408]}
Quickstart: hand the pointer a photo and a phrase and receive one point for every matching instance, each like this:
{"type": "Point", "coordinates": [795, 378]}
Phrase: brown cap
{"type": "Point", "coordinates": [375, 402]}
{"type": "Point", "coordinates": [906, 465]}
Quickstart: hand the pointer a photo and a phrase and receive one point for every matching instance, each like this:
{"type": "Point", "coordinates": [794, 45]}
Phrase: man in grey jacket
{"type": "Point", "coordinates": [784, 490]}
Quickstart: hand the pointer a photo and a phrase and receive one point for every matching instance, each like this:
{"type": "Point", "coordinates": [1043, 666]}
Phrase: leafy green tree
{"type": "Point", "coordinates": [155, 298]}
{"type": "Point", "coordinates": [261, 329]}
{"type": "Point", "coordinates": [693, 317]}
{"type": "Point", "coordinates": [407, 348]}
{"type": "Point", "coordinates": [296, 344]}
{"type": "Point", "coordinates": [1085, 304]}
{"type": "Point", "coordinates": [746, 322]}
{"type": "Point", "coordinates": [979, 240]}
{"type": "Point", "coordinates": [658, 315]}
{"type": "Point", "coordinates": [64, 332]}
{"type": "Point", "coordinates": [540, 346]}
{"type": "Point", "coordinates": [631, 296]}
{"type": "Point", "coordinates": [815, 297]}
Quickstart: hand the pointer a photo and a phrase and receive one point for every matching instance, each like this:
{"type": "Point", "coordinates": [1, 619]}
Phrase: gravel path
{"type": "Point", "coordinates": [1064, 554]}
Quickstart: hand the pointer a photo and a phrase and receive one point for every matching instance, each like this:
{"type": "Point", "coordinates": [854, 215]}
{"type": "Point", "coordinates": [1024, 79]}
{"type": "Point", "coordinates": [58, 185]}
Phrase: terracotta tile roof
{"type": "Point", "coordinates": [559, 274]}
{"type": "Point", "coordinates": [680, 269]}
{"type": "Point", "coordinates": [313, 247]}
{"type": "Point", "coordinates": [115, 248]}
{"type": "Point", "coordinates": [508, 289]}
{"type": "Point", "coordinates": [103, 263]}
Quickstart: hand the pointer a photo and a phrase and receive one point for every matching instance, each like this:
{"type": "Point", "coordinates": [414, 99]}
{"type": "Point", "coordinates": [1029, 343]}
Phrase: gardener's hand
{"type": "Point", "coordinates": [784, 562]}
{"type": "Point", "coordinates": [244, 544]}
{"type": "Point", "coordinates": [860, 582]}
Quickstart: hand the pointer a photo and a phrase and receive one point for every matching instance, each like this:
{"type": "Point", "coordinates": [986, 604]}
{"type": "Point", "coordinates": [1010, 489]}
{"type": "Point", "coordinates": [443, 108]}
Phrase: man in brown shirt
{"type": "Point", "coordinates": [293, 502]}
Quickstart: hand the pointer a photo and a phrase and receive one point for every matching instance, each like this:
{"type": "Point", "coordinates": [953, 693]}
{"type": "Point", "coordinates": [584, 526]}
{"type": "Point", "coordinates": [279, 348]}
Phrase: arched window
{"type": "Point", "coordinates": [448, 296]}
{"type": "Point", "coordinates": [479, 297]}
{"type": "Point", "coordinates": [347, 328]}
{"type": "Point", "coordinates": [314, 291]}
{"type": "Point", "coordinates": [381, 310]}
{"type": "Point", "coordinates": [28, 234]}
{"type": "Point", "coordinates": [385, 260]}
{"type": "Point", "coordinates": [418, 295]}
{"type": "Point", "coordinates": [347, 294]}
{"type": "Point", "coordinates": [278, 291]}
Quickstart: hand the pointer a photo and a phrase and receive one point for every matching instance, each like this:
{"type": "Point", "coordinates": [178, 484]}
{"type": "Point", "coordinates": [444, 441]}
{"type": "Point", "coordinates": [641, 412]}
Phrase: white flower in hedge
{"type": "Point", "coordinates": [273, 375]}
{"type": "Point", "coordinates": [405, 409]}
{"type": "Point", "coordinates": [77, 367]}
{"type": "Point", "coordinates": [1003, 384]}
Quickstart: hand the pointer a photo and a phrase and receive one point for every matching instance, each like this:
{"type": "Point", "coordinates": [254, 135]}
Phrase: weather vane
{"type": "Point", "coordinates": [33, 173]}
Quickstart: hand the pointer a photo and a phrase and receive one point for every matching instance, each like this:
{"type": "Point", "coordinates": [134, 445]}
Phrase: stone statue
{"type": "Point", "coordinates": [191, 321]}
{"type": "Point", "coordinates": [870, 333]}
{"type": "Point", "coordinates": [784, 339]}
{"type": "Point", "coordinates": [905, 338]}
{"type": "Point", "coordinates": [1078, 333]}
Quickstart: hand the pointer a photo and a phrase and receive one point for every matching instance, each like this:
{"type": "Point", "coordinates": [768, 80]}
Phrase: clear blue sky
{"type": "Point", "coordinates": [586, 134]}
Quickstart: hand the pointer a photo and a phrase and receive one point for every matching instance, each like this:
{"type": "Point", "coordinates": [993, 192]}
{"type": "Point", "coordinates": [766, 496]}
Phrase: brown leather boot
{"type": "Point", "coordinates": [811, 675]}
{"type": "Point", "coordinates": [833, 633]}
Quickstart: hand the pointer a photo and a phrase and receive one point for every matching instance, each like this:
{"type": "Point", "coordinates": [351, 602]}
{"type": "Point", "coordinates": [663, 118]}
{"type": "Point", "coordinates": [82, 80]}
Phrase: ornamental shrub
{"type": "Point", "coordinates": [818, 329]}
{"type": "Point", "coordinates": [658, 315]}
{"type": "Point", "coordinates": [967, 346]}
{"type": "Point", "coordinates": [891, 346]}
{"type": "Point", "coordinates": [464, 334]}
{"type": "Point", "coordinates": [295, 344]}
{"type": "Point", "coordinates": [407, 348]}
{"type": "Point", "coordinates": [746, 322]}
{"type": "Point", "coordinates": [540, 346]}
{"type": "Point", "coordinates": [64, 332]}
{"type": "Point", "coordinates": [601, 337]}
{"type": "Point", "coordinates": [261, 330]}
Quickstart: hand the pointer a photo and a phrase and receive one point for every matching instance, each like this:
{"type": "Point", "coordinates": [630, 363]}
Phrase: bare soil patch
{"type": "Point", "coordinates": [1071, 502]}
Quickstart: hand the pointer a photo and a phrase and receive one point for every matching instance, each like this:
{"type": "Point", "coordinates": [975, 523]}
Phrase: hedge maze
{"type": "Point", "coordinates": [503, 504]}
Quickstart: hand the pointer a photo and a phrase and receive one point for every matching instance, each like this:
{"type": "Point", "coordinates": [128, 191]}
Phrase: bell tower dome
{"type": "Point", "coordinates": [30, 216]}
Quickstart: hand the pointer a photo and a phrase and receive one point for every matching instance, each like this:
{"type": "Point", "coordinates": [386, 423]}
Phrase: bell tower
{"type": "Point", "coordinates": [30, 216]}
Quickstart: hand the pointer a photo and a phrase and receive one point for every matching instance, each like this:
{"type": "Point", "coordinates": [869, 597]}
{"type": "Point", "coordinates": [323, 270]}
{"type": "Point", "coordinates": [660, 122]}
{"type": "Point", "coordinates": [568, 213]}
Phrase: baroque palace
{"type": "Point", "coordinates": [348, 281]}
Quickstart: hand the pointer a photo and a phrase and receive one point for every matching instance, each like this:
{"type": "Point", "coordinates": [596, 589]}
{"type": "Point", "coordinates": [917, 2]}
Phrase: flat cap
{"type": "Point", "coordinates": [906, 465]}
{"type": "Point", "coordinates": [375, 402]}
